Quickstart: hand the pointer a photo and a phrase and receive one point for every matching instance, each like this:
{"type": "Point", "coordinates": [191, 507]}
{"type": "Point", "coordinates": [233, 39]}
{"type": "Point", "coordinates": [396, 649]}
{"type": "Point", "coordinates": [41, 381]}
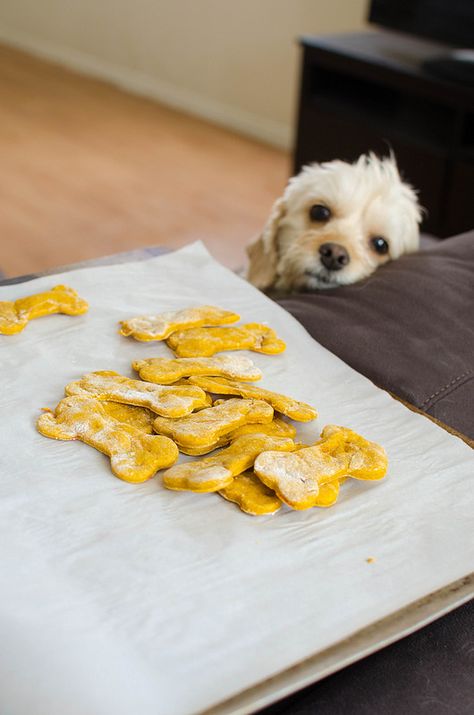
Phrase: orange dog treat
{"type": "Point", "coordinates": [14, 315]}
{"type": "Point", "coordinates": [276, 428]}
{"type": "Point", "coordinates": [286, 405]}
{"type": "Point", "coordinates": [297, 478]}
{"type": "Point", "coordinates": [168, 401]}
{"type": "Point", "coordinates": [204, 342]}
{"type": "Point", "coordinates": [296, 481]}
{"type": "Point", "coordinates": [134, 455]}
{"type": "Point", "coordinates": [207, 426]}
{"type": "Point", "coordinates": [159, 327]}
{"type": "Point", "coordinates": [251, 495]}
{"type": "Point", "coordinates": [214, 473]}
{"type": "Point", "coordinates": [165, 371]}
{"type": "Point", "coordinates": [138, 417]}
{"type": "Point", "coordinates": [367, 460]}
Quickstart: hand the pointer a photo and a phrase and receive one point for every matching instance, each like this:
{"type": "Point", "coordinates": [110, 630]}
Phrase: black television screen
{"type": "Point", "coordinates": [449, 21]}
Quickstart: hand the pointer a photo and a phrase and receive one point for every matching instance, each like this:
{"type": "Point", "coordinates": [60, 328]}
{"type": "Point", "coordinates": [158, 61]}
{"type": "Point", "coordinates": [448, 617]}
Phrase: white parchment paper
{"type": "Point", "coordinates": [134, 599]}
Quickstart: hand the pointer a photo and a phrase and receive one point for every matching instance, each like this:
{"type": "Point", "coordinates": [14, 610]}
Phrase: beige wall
{"type": "Point", "coordinates": [235, 62]}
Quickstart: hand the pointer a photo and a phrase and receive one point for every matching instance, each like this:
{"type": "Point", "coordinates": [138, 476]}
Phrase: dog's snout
{"type": "Point", "coordinates": [333, 256]}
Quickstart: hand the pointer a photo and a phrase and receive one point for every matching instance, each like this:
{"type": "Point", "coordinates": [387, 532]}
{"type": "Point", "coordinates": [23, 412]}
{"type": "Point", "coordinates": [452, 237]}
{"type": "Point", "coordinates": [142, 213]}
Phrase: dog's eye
{"type": "Point", "coordinates": [380, 245]}
{"type": "Point", "coordinates": [318, 212]}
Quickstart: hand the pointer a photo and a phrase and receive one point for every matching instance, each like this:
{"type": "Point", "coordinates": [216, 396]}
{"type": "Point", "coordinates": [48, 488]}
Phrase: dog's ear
{"type": "Point", "coordinates": [263, 253]}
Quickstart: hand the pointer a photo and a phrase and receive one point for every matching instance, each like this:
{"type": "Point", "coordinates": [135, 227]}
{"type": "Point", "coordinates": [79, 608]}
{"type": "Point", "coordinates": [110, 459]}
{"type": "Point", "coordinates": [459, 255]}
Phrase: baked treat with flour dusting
{"type": "Point", "coordinates": [134, 455]}
{"type": "Point", "coordinates": [288, 406]}
{"type": "Point", "coordinates": [166, 371]}
{"type": "Point", "coordinates": [297, 478]}
{"type": "Point", "coordinates": [15, 315]}
{"type": "Point", "coordinates": [210, 424]}
{"type": "Point", "coordinates": [160, 326]}
{"type": "Point", "coordinates": [205, 342]}
{"type": "Point", "coordinates": [168, 401]}
{"type": "Point", "coordinates": [217, 472]}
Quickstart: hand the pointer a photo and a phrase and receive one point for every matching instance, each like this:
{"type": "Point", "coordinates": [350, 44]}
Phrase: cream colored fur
{"type": "Point", "coordinates": [367, 199]}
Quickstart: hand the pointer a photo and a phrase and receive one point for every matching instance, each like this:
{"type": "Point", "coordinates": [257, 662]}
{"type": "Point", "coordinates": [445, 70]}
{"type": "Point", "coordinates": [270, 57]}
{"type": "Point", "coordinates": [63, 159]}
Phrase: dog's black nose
{"type": "Point", "coordinates": [333, 256]}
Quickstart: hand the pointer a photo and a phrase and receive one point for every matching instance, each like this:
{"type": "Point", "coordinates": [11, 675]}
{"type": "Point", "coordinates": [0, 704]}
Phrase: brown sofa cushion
{"type": "Point", "coordinates": [409, 328]}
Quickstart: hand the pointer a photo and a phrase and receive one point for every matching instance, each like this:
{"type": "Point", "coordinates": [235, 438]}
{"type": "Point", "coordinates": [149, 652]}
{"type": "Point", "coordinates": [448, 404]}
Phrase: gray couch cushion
{"type": "Point", "coordinates": [409, 328]}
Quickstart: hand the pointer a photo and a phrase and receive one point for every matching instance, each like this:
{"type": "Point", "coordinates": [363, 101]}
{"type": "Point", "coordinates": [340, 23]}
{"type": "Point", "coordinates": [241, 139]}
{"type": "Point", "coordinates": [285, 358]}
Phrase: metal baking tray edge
{"type": "Point", "coordinates": [361, 644]}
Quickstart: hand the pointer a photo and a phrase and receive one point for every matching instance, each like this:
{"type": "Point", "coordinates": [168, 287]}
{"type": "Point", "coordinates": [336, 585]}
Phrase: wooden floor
{"type": "Point", "coordinates": [88, 170]}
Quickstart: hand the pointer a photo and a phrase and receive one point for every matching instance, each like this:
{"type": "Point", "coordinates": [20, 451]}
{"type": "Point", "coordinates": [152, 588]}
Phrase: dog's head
{"type": "Point", "coordinates": [335, 224]}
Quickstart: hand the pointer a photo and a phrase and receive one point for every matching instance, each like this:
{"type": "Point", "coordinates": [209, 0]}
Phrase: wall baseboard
{"type": "Point", "coordinates": [265, 130]}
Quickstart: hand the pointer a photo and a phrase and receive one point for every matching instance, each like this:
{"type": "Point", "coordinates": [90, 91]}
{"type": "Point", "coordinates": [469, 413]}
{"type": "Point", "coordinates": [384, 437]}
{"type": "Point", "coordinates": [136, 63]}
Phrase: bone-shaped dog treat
{"type": "Point", "coordinates": [286, 405]}
{"type": "Point", "coordinates": [207, 426]}
{"type": "Point", "coordinates": [159, 327]}
{"type": "Point", "coordinates": [134, 455]}
{"type": "Point", "coordinates": [217, 472]}
{"type": "Point", "coordinates": [14, 315]}
{"type": "Point", "coordinates": [297, 481]}
{"type": "Point", "coordinates": [165, 371]}
{"type": "Point", "coordinates": [276, 428]}
{"type": "Point", "coordinates": [251, 495]}
{"type": "Point", "coordinates": [204, 342]}
{"type": "Point", "coordinates": [168, 401]}
{"type": "Point", "coordinates": [138, 417]}
{"type": "Point", "coordinates": [367, 460]}
{"type": "Point", "coordinates": [340, 452]}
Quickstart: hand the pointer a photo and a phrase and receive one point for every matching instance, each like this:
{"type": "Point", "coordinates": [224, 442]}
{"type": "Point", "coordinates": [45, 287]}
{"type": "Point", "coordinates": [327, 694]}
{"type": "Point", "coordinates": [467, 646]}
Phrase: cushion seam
{"type": "Point", "coordinates": [443, 389]}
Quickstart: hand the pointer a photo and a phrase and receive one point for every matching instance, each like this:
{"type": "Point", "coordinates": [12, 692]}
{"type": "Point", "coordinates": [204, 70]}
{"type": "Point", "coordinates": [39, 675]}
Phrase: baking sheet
{"type": "Point", "coordinates": [144, 600]}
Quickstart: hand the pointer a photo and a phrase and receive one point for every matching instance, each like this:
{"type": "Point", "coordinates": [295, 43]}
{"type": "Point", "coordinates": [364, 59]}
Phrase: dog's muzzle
{"type": "Point", "coordinates": [333, 256]}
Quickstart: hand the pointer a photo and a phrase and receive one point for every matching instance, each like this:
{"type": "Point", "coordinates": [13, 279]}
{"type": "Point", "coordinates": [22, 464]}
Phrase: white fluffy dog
{"type": "Point", "coordinates": [335, 224]}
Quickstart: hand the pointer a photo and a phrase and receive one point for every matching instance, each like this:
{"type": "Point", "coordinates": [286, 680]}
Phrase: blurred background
{"type": "Point", "coordinates": [158, 122]}
{"type": "Point", "coordinates": [194, 145]}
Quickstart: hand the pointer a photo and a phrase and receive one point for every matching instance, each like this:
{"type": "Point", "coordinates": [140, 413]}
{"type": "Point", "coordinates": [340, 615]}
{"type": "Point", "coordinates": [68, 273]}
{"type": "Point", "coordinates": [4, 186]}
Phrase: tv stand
{"type": "Point", "coordinates": [371, 91]}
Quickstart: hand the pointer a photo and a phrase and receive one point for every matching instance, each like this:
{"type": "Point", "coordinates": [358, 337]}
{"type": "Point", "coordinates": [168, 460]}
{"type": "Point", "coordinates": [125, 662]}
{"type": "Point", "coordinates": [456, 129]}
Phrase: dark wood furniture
{"type": "Point", "coordinates": [368, 91]}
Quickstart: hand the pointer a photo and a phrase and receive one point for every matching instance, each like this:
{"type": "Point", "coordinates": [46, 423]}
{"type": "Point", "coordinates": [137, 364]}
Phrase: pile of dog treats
{"type": "Point", "coordinates": [200, 402]}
